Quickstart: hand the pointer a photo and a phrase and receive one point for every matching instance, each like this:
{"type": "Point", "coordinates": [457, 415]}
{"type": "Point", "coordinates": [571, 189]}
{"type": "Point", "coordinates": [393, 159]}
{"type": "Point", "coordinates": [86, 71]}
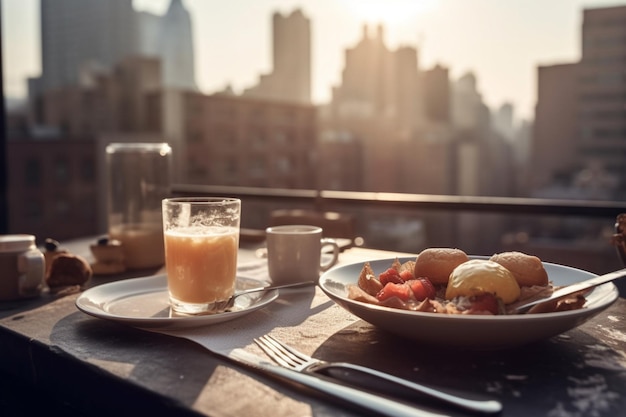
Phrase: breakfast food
{"type": "Point", "coordinates": [52, 250]}
{"type": "Point", "coordinates": [109, 257]}
{"type": "Point", "coordinates": [479, 276]}
{"type": "Point", "coordinates": [437, 263]}
{"type": "Point", "coordinates": [68, 270]}
{"type": "Point", "coordinates": [527, 269]}
{"type": "Point", "coordinates": [473, 286]}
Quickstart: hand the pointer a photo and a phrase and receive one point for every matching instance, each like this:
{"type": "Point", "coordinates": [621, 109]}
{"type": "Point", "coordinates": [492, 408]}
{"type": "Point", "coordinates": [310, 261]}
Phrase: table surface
{"type": "Point", "coordinates": [98, 367]}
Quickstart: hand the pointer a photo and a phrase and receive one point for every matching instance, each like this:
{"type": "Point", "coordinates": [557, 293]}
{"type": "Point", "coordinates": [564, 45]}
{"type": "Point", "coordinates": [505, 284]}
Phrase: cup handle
{"type": "Point", "coordinates": [330, 242]}
{"type": "Point", "coordinates": [31, 266]}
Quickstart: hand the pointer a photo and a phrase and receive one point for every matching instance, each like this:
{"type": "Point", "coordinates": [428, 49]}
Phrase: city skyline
{"type": "Point", "coordinates": [539, 33]}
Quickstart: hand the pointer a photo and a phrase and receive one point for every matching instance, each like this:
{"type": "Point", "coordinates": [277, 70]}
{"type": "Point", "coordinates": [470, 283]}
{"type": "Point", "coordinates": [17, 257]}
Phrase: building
{"type": "Point", "coordinates": [57, 185]}
{"type": "Point", "coordinates": [82, 41]}
{"type": "Point", "coordinates": [52, 188]}
{"type": "Point", "coordinates": [602, 113]}
{"type": "Point", "coordinates": [466, 103]}
{"type": "Point", "coordinates": [175, 47]}
{"type": "Point", "coordinates": [580, 120]}
{"type": "Point", "coordinates": [437, 95]}
{"type": "Point", "coordinates": [223, 139]}
{"type": "Point", "coordinates": [553, 153]}
{"type": "Point", "coordinates": [367, 89]}
{"type": "Point", "coordinates": [78, 36]}
{"type": "Point", "coordinates": [112, 102]}
{"type": "Point", "coordinates": [290, 79]}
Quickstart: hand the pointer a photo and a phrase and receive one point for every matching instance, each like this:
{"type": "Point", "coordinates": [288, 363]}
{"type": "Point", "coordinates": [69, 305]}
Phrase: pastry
{"type": "Point", "coordinates": [52, 250]}
{"type": "Point", "coordinates": [68, 270]}
{"type": "Point", "coordinates": [437, 264]}
{"type": "Point", "coordinates": [109, 257]}
{"type": "Point", "coordinates": [528, 270]}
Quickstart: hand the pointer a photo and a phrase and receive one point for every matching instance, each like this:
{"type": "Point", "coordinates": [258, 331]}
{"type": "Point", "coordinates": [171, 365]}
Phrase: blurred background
{"type": "Point", "coordinates": [286, 102]}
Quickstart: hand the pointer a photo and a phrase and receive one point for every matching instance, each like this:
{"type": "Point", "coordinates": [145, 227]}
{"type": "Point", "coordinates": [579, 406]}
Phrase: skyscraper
{"type": "Point", "coordinates": [580, 121]}
{"type": "Point", "coordinates": [367, 87]}
{"type": "Point", "coordinates": [290, 79]}
{"type": "Point", "coordinates": [80, 38]}
{"type": "Point", "coordinates": [77, 35]}
{"type": "Point", "coordinates": [175, 47]}
{"type": "Point", "coordinates": [602, 100]}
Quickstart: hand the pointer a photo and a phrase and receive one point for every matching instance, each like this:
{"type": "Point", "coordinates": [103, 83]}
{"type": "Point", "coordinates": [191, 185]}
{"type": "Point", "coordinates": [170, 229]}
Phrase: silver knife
{"type": "Point", "coordinates": [362, 399]}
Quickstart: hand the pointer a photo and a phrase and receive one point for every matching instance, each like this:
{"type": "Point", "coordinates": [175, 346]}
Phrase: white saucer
{"type": "Point", "coordinates": [144, 303]}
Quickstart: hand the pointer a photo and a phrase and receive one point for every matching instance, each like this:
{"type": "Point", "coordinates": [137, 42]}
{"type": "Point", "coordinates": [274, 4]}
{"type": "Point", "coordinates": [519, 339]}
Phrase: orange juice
{"type": "Point", "coordinates": [142, 244]}
{"type": "Point", "coordinates": [201, 265]}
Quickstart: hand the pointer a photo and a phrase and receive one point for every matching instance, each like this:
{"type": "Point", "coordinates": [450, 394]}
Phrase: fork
{"type": "Point", "coordinates": [291, 358]}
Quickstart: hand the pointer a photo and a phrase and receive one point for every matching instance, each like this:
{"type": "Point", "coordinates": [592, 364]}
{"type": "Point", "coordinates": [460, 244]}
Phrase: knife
{"type": "Point", "coordinates": [364, 400]}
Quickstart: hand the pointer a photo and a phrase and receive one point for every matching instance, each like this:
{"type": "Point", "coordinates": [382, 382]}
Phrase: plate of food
{"type": "Point", "coordinates": [144, 303]}
{"type": "Point", "coordinates": [444, 297]}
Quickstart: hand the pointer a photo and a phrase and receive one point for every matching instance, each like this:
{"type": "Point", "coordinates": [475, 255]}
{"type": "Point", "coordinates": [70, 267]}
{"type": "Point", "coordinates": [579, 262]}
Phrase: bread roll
{"type": "Point", "coordinates": [527, 269]}
{"type": "Point", "coordinates": [437, 264]}
{"type": "Point", "coordinates": [68, 269]}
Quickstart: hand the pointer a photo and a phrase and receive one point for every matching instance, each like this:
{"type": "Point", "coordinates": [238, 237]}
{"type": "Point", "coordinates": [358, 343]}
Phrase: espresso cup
{"type": "Point", "coordinates": [294, 253]}
{"type": "Point", "coordinates": [22, 267]}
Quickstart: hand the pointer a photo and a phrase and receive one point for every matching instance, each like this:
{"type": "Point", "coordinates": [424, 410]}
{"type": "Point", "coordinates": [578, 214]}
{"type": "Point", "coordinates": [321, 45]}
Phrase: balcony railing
{"type": "Point", "coordinates": [577, 233]}
{"type": "Point", "coordinates": [325, 200]}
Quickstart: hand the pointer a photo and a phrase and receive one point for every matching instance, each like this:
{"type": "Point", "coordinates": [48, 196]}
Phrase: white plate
{"type": "Point", "coordinates": [144, 303]}
{"type": "Point", "coordinates": [490, 332]}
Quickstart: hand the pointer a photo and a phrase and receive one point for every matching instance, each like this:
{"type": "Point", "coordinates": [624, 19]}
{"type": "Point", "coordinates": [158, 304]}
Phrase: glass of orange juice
{"type": "Point", "coordinates": [201, 237]}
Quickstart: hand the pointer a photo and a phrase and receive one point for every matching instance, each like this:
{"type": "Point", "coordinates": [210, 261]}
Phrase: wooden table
{"type": "Point", "coordinates": [81, 365]}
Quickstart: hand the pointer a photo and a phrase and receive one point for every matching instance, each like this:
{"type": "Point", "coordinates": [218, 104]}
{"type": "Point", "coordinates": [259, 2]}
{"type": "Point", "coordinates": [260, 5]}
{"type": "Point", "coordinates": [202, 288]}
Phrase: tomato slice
{"type": "Point", "coordinates": [392, 289]}
{"type": "Point", "coordinates": [485, 302]}
{"type": "Point", "coordinates": [422, 288]}
{"type": "Point", "coordinates": [406, 275]}
{"type": "Point", "coordinates": [390, 275]}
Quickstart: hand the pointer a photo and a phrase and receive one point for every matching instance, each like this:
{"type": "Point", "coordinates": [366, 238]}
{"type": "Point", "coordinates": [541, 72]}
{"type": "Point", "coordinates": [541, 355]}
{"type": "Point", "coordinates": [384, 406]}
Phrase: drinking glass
{"type": "Point", "coordinates": [201, 241]}
{"type": "Point", "coordinates": [139, 179]}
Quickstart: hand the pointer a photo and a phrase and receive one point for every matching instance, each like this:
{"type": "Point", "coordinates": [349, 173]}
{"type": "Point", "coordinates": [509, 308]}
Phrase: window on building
{"type": "Point", "coordinates": [257, 166]}
{"type": "Point", "coordinates": [284, 165]}
{"type": "Point", "coordinates": [87, 170]}
{"type": "Point", "coordinates": [61, 170]}
{"type": "Point", "coordinates": [32, 172]}
{"type": "Point", "coordinates": [62, 207]}
{"type": "Point", "coordinates": [33, 210]}
{"type": "Point", "coordinates": [280, 138]}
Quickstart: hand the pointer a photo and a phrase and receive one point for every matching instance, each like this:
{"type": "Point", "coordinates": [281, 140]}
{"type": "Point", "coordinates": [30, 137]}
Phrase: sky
{"type": "Point", "coordinates": [501, 41]}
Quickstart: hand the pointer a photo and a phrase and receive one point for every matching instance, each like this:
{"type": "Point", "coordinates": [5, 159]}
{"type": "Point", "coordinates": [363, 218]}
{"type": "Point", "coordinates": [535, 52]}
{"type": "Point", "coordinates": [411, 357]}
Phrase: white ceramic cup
{"type": "Point", "coordinates": [22, 267]}
{"type": "Point", "coordinates": [294, 253]}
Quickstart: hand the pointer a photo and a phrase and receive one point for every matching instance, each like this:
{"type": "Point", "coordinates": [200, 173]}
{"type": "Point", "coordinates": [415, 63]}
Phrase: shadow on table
{"type": "Point", "coordinates": [569, 374]}
{"type": "Point", "coordinates": [139, 366]}
{"type": "Point", "coordinates": [142, 371]}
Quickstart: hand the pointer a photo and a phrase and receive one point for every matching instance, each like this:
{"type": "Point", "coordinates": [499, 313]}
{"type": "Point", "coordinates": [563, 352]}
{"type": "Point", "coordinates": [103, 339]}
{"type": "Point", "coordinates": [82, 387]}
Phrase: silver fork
{"type": "Point", "coordinates": [291, 358]}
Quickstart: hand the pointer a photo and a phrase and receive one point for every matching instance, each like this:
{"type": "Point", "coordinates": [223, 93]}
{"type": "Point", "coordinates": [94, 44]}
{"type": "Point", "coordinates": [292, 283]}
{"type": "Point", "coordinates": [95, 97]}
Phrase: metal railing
{"type": "Point", "coordinates": [578, 233]}
{"type": "Point", "coordinates": [325, 200]}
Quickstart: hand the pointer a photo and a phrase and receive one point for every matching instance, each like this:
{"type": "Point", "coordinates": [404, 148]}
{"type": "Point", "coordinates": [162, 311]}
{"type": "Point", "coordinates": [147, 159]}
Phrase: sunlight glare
{"type": "Point", "coordinates": [389, 12]}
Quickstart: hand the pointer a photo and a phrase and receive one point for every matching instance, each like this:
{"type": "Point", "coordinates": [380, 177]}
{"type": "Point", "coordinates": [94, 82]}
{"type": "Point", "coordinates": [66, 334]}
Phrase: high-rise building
{"type": "Point", "coordinates": [436, 83]}
{"type": "Point", "coordinates": [367, 88]}
{"type": "Point", "coordinates": [79, 36]}
{"type": "Point", "coordinates": [175, 46]}
{"type": "Point", "coordinates": [82, 39]}
{"type": "Point", "coordinates": [467, 103]}
{"type": "Point", "coordinates": [502, 120]}
{"type": "Point", "coordinates": [602, 100]}
{"type": "Point", "coordinates": [290, 79]}
{"type": "Point", "coordinates": [580, 121]}
{"type": "Point", "coordinates": [553, 151]}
